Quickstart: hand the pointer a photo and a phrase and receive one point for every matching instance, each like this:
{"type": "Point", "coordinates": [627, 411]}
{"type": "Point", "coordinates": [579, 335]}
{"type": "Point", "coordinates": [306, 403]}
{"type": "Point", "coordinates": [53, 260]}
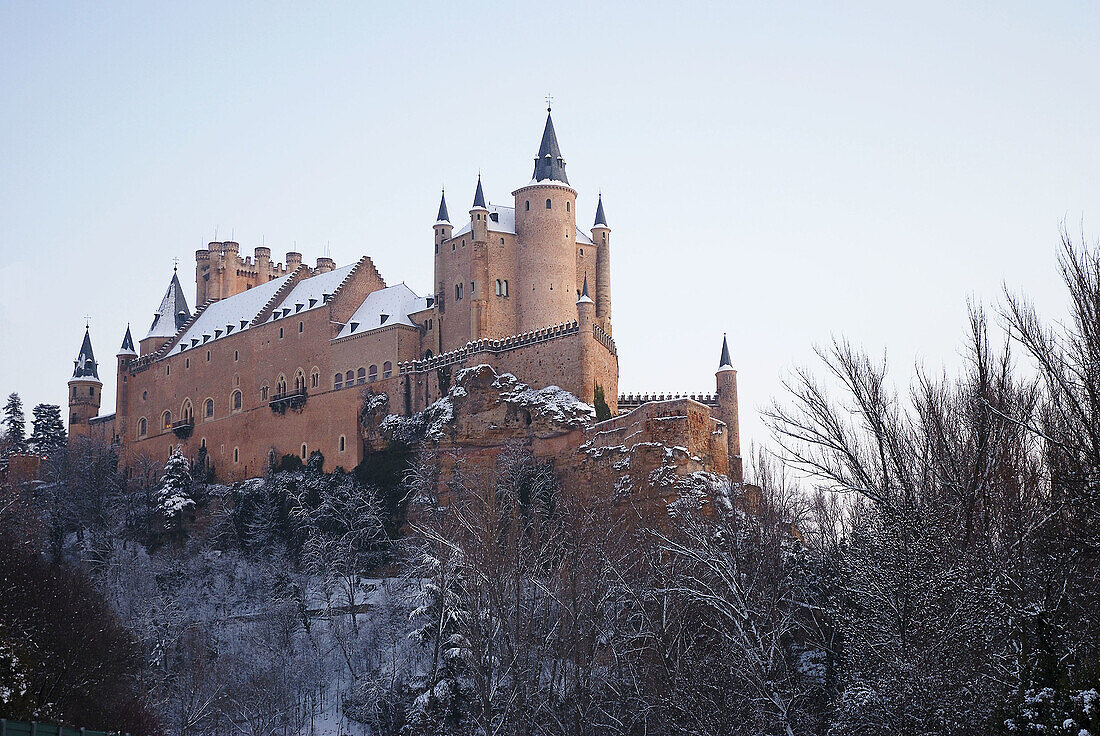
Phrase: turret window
{"type": "Point", "coordinates": [548, 204]}
{"type": "Point", "coordinates": [527, 206]}
{"type": "Point", "coordinates": [566, 206]}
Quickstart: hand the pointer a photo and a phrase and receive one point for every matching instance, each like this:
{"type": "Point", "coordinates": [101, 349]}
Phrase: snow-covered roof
{"type": "Point", "coordinates": [506, 223]}
{"type": "Point", "coordinates": [382, 308]}
{"type": "Point", "coordinates": [230, 315]}
{"type": "Point", "coordinates": [172, 314]}
{"type": "Point", "coordinates": [311, 293]}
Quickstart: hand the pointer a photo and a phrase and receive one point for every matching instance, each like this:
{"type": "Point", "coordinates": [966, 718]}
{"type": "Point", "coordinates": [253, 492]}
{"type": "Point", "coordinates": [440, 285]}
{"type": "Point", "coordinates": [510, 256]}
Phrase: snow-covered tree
{"type": "Point", "coordinates": [173, 497]}
{"type": "Point", "coordinates": [15, 424]}
{"type": "Point", "coordinates": [48, 435]}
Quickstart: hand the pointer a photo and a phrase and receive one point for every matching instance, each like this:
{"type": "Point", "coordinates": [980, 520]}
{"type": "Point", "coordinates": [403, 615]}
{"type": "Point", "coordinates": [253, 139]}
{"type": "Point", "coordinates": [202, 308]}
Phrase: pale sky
{"type": "Point", "coordinates": [782, 172]}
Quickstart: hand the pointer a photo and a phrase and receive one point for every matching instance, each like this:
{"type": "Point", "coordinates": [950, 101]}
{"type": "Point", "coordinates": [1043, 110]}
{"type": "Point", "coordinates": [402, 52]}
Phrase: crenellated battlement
{"type": "Point", "coordinates": [631, 401]}
{"type": "Point", "coordinates": [490, 346]}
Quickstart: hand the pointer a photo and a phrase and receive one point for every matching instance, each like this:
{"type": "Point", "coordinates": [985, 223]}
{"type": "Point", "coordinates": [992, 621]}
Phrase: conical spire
{"type": "Point", "coordinates": [443, 216]}
{"type": "Point", "coordinates": [601, 218]}
{"type": "Point", "coordinates": [127, 344]}
{"type": "Point", "coordinates": [549, 164]}
{"type": "Point", "coordinates": [584, 298]}
{"type": "Point", "coordinates": [479, 195]}
{"type": "Point", "coordinates": [172, 313]}
{"type": "Point", "coordinates": [84, 367]}
{"type": "Point", "coordinates": [724, 363]}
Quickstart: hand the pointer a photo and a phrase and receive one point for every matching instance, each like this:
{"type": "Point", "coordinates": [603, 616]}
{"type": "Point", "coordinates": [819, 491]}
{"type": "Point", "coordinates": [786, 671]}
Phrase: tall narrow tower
{"type": "Point", "coordinates": [125, 355]}
{"type": "Point", "coordinates": [546, 231]}
{"type": "Point", "coordinates": [479, 264]}
{"type": "Point", "coordinates": [601, 236]}
{"type": "Point", "coordinates": [726, 378]}
{"type": "Point", "coordinates": [85, 389]}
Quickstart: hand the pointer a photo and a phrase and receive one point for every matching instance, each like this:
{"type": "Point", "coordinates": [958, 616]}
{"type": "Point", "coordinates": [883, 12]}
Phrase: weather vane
{"type": "Point", "coordinates": [175, 264]}
{"type": "Point", "coordinates": [549, 102]}
{"type": "Point", "coordinates": [87, 322]}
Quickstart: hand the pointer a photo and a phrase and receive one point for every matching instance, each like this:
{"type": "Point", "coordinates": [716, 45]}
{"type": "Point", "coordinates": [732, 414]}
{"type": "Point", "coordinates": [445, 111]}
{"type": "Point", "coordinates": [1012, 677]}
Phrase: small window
{"type": "Point", "coordinates": [144, 395]}
{"type": "Point", "coordinates": [303, 450]}
{"type": "Point", "coordinates": [527, 206]}
{"type": "Point", "coordinates": [202, 443]}
{"type": "Point", "coordinates": [343, 443]}
{"type": "Point", "coordinates": [361, 374]}
{"type": "Point", "coordinates": [237, 400]}
{"type": "Point", "coordinates": [314, 379]}
{"type": "Point", "coordinates": [186, 362]}
{"type": "Point", "coordinates": [280, 333]}
{"type": "Point", "coordinates": [236, 356]}
{"type": "Point", "coordinates": [582, 251]}
{"type": "Point", "coordinates": [301, 327]}
{"type": "Point", "coordinates": [91, 390]}
{"type": "Point", "coordinates": [264, 392]}
{"type": "Point", "coordinates": [167, 417]}
{"type": "Point", "coordinates": [500, 287]}
{"type": "Point", "coordinates": [207, 356]}
{"type": "Point", "coordinates": [505, 287]}
{"type": "Point", "coordinates": [349, 378]}
{"type": "Point", "coordinates": [236, 454]}
{"type": "Point", "coordinates": [548, 204]}
{"type": "Point", "coordinates": [387, 369]}
{"type": "Point", "coordinates": [502, 241]}
{"type": "Point", "coordinates": [338, 381]}
{"type": "Point", "coordinates": [437, 248]}
{"type": "Point", "coordinates": [208, 408]}
{"type": "Point", "coordinates": [373, 373]}
{"type": "Point", "coordinates": [452, 246]}
{"type": "Point", "coordinates": [143, 427]}
{"type": "Point", "coordinates": [566, 206]}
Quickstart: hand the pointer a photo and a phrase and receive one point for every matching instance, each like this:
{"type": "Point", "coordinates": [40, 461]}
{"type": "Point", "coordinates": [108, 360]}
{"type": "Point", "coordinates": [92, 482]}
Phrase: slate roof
{"type": "Point", "coordinates": [601, 218]}
{"type": "Point", "coordinates": [724, 361]}
{"type": "Point", "coordinates": [84, 366]}
{"type": "Point", "coordinates": [479, 195]}
{"type": "Point", "coordinates": [127, 344]}
{"type": "Point", "coordinates": [172, 314]}
{"type": "Point", "coordinates": [382, 308]}
{"type": "Point", "coordinates": [549, 164]}
{"type": "Point", "coordinates": [443, 215]}
{"type": "Point", "coordinates": [505, 222]}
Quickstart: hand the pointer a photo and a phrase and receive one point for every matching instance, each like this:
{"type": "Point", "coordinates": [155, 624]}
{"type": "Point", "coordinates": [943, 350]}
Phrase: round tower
{"type": "Point", "coordinates": [442, 231]}
{"type": "Point", "coordinates": [125, 355]}
{"type": "Point", "coordinates": [479, 264]}
{"type": "Point", "coordinates": [546, 240]}
{"type": "Point", "coordinates": [85, 389]}
{"type": "Point", "coordinates": [726, 378]}
{"type": "Point", "coordinates": [601, 236]}
{"type": "Point", "coordinates": [586, 318]}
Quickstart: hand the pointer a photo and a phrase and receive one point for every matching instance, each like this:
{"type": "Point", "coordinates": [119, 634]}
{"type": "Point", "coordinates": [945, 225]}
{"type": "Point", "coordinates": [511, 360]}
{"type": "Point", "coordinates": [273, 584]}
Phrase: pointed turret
{"type": "Point", "coordinates": [584, 292]}
{"type": "Point", "coordinates": [85, 388]}
{"type": "Point", "coordinates": [443, 216]}
{"type": "Point", "coordinates": [479, 196]}
{"type": "Point", "coordinates": [127, 344]}
{"type": "Point", "coordinates": [84, 367]}
{"type": "Point", "coordinates": [549, 164]}
{"type": "Point", "coordinates": [724, 363]}
{"type": "Point", "coordinates": [601, 218]}
{"type": "Point", "coordinates": [171, 315]}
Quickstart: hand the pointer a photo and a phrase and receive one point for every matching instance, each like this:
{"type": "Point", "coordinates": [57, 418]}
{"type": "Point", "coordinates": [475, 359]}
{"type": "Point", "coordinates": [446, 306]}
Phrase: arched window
{"type": "Point", "coordinates": [427, 354]}
{"type": "Point", "coordinates": [236, 454]}
{"type": "Point", "coordinates": [349, 378]}
{"type": "Point", "coordinates": [505, 287]}
{"type": "Point", "coordinates": [208, 408]}
{"type": "Point", "coordinates": [280, 385]}
{"type": "Point", "coordinates": [361, 375]}
{"type": "Point", "coordinates": [264, 392]}
{"type": "Point", "coordinates": [387, 369]}
{"type": "Point", "coordinates": [303, 450]}
{"type": "Point", "coordinates": [548, 204]}
{"type": "Point", "coordinates": [338, 381]}
{"type": "Point", "coordinates": [500, 286]}
{"type": "Point", "coordinates": [315, 378]}
{"type": "Point", "coordinates": [187, 413]}
{"type": "Point", "coordinates": [299, 380]}
{"type": "Point", "coordinates": [237, 400]}
{"type": "Point", "coordinates": [566, 206]}
{"type": "Point", "coordinates": [143, 427]}
{"type": "Point", "coordinates": [343, 443]}
{"type": "Point", "coordinates": [167, 419]}
{"type": "Point", "coordinates": [527, 206]}
{"type": "Point", "coordinates": [373, 373]}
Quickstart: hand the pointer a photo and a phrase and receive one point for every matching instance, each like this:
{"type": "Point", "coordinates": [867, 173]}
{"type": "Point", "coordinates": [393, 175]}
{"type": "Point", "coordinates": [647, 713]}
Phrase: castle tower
{"type": "Point", "coordinates": [601, 236]}
{"type": "Point", "coordinates": [85, 389]}
{"type": "Point", "coordinates": [479, 265]}
{"type": "Point", "coordinates": [171, 315]}
{"type": "Point", "coordinates": [546, 267]}
{"type": "Point", "coordinates": [125, 355]}
{"type": "Point", "coordinates": [586, 318]}
{"type": "Point", "coordinates": [726, 378]}
{"type": "Point", "coordinates": [442, 231]}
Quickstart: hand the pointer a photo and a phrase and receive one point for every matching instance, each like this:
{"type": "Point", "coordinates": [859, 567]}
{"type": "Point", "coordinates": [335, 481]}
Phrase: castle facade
{"type": "Point", "coordinates": [276, 357]}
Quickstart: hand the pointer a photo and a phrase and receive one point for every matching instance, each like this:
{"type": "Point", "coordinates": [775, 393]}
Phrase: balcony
{"type": "Point", "coordinates": [294, 399]}
{"type": "Point", "coordinates": [183, 428]}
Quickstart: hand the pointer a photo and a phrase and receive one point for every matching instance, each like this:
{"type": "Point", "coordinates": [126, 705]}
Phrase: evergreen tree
{"type": "Point", "coordinates": [174, 494]}
{"type": "Point", "coordinates": [15, 424]}
{"type": "Point", "coordinates": [48, 431]}
{"type": "Point", "coordinates": [599, 400]}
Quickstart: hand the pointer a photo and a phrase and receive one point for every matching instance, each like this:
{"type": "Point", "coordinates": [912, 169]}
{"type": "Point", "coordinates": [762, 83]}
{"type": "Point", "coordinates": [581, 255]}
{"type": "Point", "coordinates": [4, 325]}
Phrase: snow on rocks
{"type": "Point", "coordinates": [552, 402]}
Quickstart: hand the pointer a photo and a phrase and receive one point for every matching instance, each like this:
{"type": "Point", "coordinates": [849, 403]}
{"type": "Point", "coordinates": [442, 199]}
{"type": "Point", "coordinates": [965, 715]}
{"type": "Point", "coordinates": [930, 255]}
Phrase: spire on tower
{"type": "Point", "coordinates": [549, 164]}
{"type": "Point", "coordinates": [479, 195]}
{"type": "Point", "coordinates": [724, 363]}
{"type": "Point", "coordinates": [172, 313]}
{"type": "Point", "coordinates": [443, 216]}
{"type": "Point", "coordinates": [601, 218]}
{"type": "Point", "coordinates": [127, 344]}
{"type": "Point", "coordinates": [584, 298]}
{"type": "Point", "coordinates": [84, 367]}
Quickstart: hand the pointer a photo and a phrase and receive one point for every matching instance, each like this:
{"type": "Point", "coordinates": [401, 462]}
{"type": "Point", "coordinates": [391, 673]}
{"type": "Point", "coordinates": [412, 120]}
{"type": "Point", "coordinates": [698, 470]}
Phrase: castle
{"type": "Point", "coordinates": [275, 358]}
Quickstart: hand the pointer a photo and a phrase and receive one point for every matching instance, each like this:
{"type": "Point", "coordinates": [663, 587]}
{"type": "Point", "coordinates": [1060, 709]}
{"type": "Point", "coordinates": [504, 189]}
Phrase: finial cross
{"type": "Point", "coordinates": [87, 322]}
{"type": "Point", "coordinates": [175, 264]}
{"type": "Point", "coordinates": [549, 102]}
